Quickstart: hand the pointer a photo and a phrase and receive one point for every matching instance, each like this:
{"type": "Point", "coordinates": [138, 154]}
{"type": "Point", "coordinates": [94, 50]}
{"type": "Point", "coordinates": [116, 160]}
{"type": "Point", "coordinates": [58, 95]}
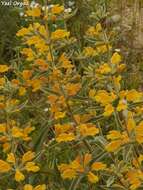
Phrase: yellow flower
{"type": "Point", "coordinates": [22, 91]}
{"type": "Point", "coordinates": [36, 84]}
{"type": "Point", "coordinates": [27, 130]}
{"type": "Point", "coordinates": [41, 46]}
{"type": "Point", "coordinates": [16, 132]}
{"type": "Point", "coordinates": [4, 167]}
{"type": "Point", "coordinates": [65, 137]}
{"type": "Point", "coordinates": [28, 187]}
{"type": "Point", "coordinates": [66, 63]}
{"type": "Point", "coordinates": [108, 110]}
{"type": "Point", "coordinates": [133, 177]}
{"type": "Point", "coordinates": [104, 69]}
{"type": "Point", "coordinates": [6, 147]}
{"type": "Point", "coordinates": [116, 81]}
{"type": "Point", "coordinates": [30, 166]}
{"type": "Point", "coordinates": [87, 159]}
{"type": "Point", "coordinates": [29, 53]}
{"type": "Point", "coordinates": [135, 185]}
{"type": "Point", "coordinates": [62, 128]}
{"type": "Point", "coordinates": [72, 89]}
{"type": "Point", "coordinates": [98, 27]}
{"type": "Point", "coordinates": [88, 130]}
{"type": "Point", "coordinates": [134, 96]}
{"type": "Point", "coordinates": [49, 57]}
{"type": "Point", "coordinates": [42, 64]}
{"type": "Point", "coordinates": [23, 32]}
{"type": "Point", "coordinates": [43, 31]}
{"type": "Point", "coordinates": [104, 97]}
{"type": "Point", "coordinates": [34, 40]}
{"type": "Point", "coordinates": [60, 115]}
{"type": "Point", "coordinates": [35, 26]}
{"type": "Point", "coordinates": [116, 58]}
{"type": "Point", "coordinates": [98, 166]}
{"type": "Point", "coordinates": [3, 68]}
{"type": "Point", "coordinates": [57, 9]}
{"type": "Point", "coordinates": [11, 158]}
{"type": "Point", "coordinates": [103, 48]}
{"type": "Point", "coordinates": [35, 12]}
{"type": "Point", "coordinates": [92, 178]}
{"type": "Point", "coordinates": [121, 67]}
{"type": "Point", "coordinates": [69, 173]}
{"type": "Point", "coordinates": [94, 31]}
{"type": "Point", "coordinates": [122, 105]}
{"type": "Point", "coordinates": [28, 156]}
{"type": "Point", "coordinates": [113, 146]}
{"type": "Point", "coordinates": [91, 31]}
{"type": "Point", "coordinates": [26, 74]}
{"type": "Point", "coordinates": [92, 93]}
{"type": "Point", "coordinates": [2, 127]}
{"type": "Point", "coordinates": [76, 167]}
{"type": "Point", "coordinates": [131, 124]}
{"type": "Point", "coordinates": [59, 34]}
{"type": "Point", "coordinates": [114, 135]}
{"type": "Point", "coordinates": [118, 140]}
{"type": "Point", "coordinates": [19, 176]}
{"type": "Point", "coordinates": [40, 187]}
{"type": "Point", "coordinates": [89, 51]}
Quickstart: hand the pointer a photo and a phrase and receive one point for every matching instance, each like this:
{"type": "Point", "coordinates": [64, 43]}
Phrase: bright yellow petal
{"type": "Point", "coordinates": [65, 137]}
{"type": "Point", "coordinates": [114, 145]}
{"type": "Point", "coordinates": [28, 187]}
{"type": "Point", "coordinates": [40, 187]}
{"type": "Point", "coordinates": [92, 178]}
{"type": "Point", "coordinates": [3, 68]}
{"type": "Point", "coordinates": [19, 176]}
{"type": "Point", "coordinates": [98, 166]}
{"type": "Point", "coordinates": [4, 167]}
{"type": "Point", "coordinates": [116, 58]}
{"type": "Point", "coordinates": [30, 166]}
{"type": "Point", "coordinates": [11, 158]}
{"type": "Point", "coordinates": [28, 156]}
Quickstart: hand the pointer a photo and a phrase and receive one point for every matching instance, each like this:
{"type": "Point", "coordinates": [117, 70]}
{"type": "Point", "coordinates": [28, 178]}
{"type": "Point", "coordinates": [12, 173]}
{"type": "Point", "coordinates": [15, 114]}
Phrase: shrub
{"type": "Point", "coordinates": [67, 122]}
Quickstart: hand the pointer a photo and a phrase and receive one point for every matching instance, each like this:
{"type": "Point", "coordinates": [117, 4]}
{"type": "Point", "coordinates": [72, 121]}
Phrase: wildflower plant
{"type": "Point", "coordinates": [67, 121]}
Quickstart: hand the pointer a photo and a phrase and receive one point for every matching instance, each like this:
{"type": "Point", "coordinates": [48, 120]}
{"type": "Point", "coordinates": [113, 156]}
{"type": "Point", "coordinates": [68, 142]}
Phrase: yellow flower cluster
{"type": "Point", "coordinates": [12, 164]}
{"type": "Point", "coordinates": [65, 133]}
{"type": "Point", "coordinates": [81, 165]}
{"type": "Point", "coordinates": [66, 100]}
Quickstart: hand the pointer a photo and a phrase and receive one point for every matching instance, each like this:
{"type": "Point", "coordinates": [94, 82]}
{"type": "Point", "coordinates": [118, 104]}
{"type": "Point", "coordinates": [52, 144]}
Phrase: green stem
{"type": "Point", "coordinates": [75, 183]}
